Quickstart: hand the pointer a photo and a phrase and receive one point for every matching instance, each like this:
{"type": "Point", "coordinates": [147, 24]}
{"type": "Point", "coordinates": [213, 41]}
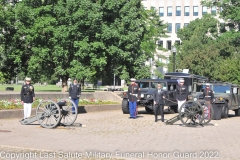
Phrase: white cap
{"type": "Point", "coordinates": [181, 80]}
{"type": "Point", "coordinates": [207, 84]}
{"type": "Point", "coordinates": [133, 80]}
{"type": "Point", "coordinates": [27, 79]}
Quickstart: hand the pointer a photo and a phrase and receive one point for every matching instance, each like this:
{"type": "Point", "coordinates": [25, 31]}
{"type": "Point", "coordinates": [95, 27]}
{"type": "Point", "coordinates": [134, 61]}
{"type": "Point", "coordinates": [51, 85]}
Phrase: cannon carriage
{"type": "Point", "coordinates": [193, 113]}
{"type": "Point", "coordinates": [50, 114]}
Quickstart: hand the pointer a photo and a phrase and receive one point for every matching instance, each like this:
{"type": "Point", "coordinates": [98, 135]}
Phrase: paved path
{"type": "Point", "coordinates": [111, 135]}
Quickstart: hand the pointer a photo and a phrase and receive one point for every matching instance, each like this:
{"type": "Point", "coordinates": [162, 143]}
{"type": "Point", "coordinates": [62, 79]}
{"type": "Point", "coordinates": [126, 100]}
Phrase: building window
{"type": "Point", "coordinates": [169, 28]}
{"type": "Point", "coordinates": [195, 10]}
{"type": "Point", "coordinates": [213, 10]}
{"type": "Point", "coordinates": [161, 11]}
{"type": "Point", "coordinates": [177, 27]}
{"type": "Point", "coordinates": [186, 11]}
{"type": "Point", "coordinates": [169, 45]}
{"type": "Point", "coordinates": [204, 10]}
{"type": "Point", "coordinates": [169, 11]}
{"type": "Point", "coordinates": [160, 43]}
{"type": "Point", "coordinates": [178, 11]}
{"type": "Point", "coordinates": [185, 24]}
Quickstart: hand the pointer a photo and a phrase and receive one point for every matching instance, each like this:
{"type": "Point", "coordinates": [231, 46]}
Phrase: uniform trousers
{"type": "Point", "coordinates": [27, 109]}
{"type": "Point", "coordinates": [180, 103]}
{"type": "Point", "coordinates": [132, 109]}
{"type": "Point", "coordinates": [76, 103]}
{"type": "Point", "coordinates": [159, 107]}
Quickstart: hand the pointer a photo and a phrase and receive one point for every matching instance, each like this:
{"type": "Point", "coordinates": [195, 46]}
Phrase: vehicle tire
{"type": "Point", "coordinates": [125, 106]}
{"type": "Point", "coordinates": [148, 110]}
{"type": "Point", "coordinates": [237, 112]}
{"type": "Point", "coordinates": [225, 111]}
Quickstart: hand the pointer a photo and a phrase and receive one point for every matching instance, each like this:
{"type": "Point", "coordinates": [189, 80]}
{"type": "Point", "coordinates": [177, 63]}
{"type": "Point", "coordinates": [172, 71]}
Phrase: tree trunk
{"type": "Point", "coordinates": [82, 83]}
{"type": "Point", "coordinates": [64, 83]}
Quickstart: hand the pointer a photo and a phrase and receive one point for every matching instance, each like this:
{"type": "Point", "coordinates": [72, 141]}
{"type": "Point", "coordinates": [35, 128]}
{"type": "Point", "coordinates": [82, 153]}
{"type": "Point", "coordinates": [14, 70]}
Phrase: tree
{"type": "Point", "coordinates": [86, 39]}
{"type": "Point", "coordinates": [198, 51]}
{"type": "Point", "coordinates": [229, 41]}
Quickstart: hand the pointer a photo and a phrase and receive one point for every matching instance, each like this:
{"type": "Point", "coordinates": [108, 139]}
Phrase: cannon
{"type": "Point", "coordinates": [193, 113]}
{"type": "Point", "coordinates": [49, 114]}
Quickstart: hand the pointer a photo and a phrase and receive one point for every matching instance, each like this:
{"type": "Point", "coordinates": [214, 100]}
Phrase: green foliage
{"type": "Point", "coordinates": [209, 49]}
{"type": "Point", "coordinates": [198, 51]}
{"type": "Point", "coordinates": [83, 39]}
{"type": "Point", "coordinates": [2, 79]}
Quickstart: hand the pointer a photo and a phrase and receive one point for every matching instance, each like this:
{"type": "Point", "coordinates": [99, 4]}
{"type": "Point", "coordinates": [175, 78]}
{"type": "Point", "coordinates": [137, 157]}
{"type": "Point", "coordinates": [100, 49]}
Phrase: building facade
{"type": "Point", "coordinates": [177, 14]}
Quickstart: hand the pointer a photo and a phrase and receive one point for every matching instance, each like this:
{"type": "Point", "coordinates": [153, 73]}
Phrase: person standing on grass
{"type": "Point", "coordinates": [74, 93]}
{"type": "Point", "coordinates": [27, 97]}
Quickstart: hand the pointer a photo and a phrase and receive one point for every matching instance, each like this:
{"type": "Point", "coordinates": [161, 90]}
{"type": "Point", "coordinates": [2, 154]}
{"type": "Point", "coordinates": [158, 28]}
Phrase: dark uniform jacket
{"type": "Point", "coordinates": [74, 91]}
{"type": "Point", "coordinates": [27, 93]}
{"type": "Point", "coordinates": [133, 92]}
{"type": "Point", "coordinates": [181, 92]}
{"type": "Point", "coordinates": [158, 96]}
{"type": "Point", "coordinates": [208, 95]}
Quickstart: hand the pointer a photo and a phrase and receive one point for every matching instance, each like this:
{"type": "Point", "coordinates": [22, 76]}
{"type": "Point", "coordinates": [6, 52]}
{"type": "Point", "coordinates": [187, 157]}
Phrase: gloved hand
{"type": "Point", "coordinates": [70, 98]}
{"type": "Point", "coordinates": [78, 95]}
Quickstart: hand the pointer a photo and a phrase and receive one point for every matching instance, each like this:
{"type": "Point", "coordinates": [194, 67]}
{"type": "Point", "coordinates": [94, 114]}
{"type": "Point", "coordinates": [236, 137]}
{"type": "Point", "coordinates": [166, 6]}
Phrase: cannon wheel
{"type": "Point", "coordinates": [190, 113]}
{"type": "Point", "coordinates": [48, 114]}
{"type": "Point", "coordinates": [69, 112]}
{"type": "Point", "coordinates": [208, 113]}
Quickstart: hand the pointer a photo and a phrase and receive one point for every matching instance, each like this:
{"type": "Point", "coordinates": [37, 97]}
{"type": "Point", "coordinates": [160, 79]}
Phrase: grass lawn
{"type": "Point", "coordinates": [47, 88]}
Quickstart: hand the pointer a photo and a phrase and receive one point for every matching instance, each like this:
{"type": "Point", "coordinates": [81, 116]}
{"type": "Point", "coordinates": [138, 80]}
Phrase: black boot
{"type": "Point", "coordinates": [162, 119]}
{"type": "Point", "coordinates": [156, 119]}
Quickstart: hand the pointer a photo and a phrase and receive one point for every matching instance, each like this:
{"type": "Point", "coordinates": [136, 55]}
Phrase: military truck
{"type": "Point", "coordinates": [189, 81]}
{"type": "Point", "coordinates": [226, 97]}
{"type": "Point", "coordinates": [147, 87]}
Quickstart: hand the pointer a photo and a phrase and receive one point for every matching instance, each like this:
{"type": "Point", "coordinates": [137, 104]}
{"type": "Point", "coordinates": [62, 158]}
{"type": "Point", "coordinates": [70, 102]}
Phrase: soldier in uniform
{"type": "Point", "coordinates": [74, 92]}
{"type": "Point", "coordinates": [181, 93]}
{"type": "Point", "coordinates": [27, 97]}
{"type": "Point", "coordinates": [133, 96]}
{"type": "Point", "coordinates": [208, 94]}
{"type": "Point", "coordinates": [158, 97]}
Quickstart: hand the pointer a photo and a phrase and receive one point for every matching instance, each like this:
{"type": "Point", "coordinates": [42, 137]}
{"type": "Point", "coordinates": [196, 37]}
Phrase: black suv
{"type": "Point", "coordinates": [147, 87]}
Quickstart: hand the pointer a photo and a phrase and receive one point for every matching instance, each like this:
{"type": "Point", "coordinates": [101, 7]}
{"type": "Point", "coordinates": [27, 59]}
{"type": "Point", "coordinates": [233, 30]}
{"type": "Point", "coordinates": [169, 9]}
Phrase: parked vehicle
{"type": "Point", "coordinates": [147, 87]}
{"type": "Point", "coordinates": [226, 97]}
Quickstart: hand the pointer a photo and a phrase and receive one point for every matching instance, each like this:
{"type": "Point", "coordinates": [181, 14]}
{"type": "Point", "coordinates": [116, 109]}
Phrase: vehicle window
{"type": "Point", "coordinates": [143, 84]}
{"type": "Point", "coordinates": [201, 87]}
{"type": "Point", "coordinates": [154, 85]}
{"type": "Point", "coordinates": [172, 87]}
{"type": "Point", "coordinates": [221, 89]}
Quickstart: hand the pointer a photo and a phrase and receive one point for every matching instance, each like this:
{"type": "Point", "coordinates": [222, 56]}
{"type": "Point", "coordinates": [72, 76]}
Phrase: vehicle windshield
{"type": "Point", "coordinates": [215, 88]}
{"type": "Point", "coordinates": [221, 89]}
{"type": "Point", "coordinates": [154, 85]}
{"type": "Point", "coordinates": [143, 84]}
{"type": "Point", "coordinates": [200, 88]}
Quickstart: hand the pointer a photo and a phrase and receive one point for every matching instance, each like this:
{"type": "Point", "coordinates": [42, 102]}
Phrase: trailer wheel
{"type": "Point", "coordinates": [207, 113]}
{"type": "Point", "coordinates": [125, 106]}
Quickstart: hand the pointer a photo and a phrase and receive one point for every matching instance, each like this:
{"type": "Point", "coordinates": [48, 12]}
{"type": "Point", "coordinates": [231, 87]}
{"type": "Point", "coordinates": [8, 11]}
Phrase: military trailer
{"type": "Point", "coordinates": [147, 87]}
{"type": "Point", "coordinates": [226, 97]}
